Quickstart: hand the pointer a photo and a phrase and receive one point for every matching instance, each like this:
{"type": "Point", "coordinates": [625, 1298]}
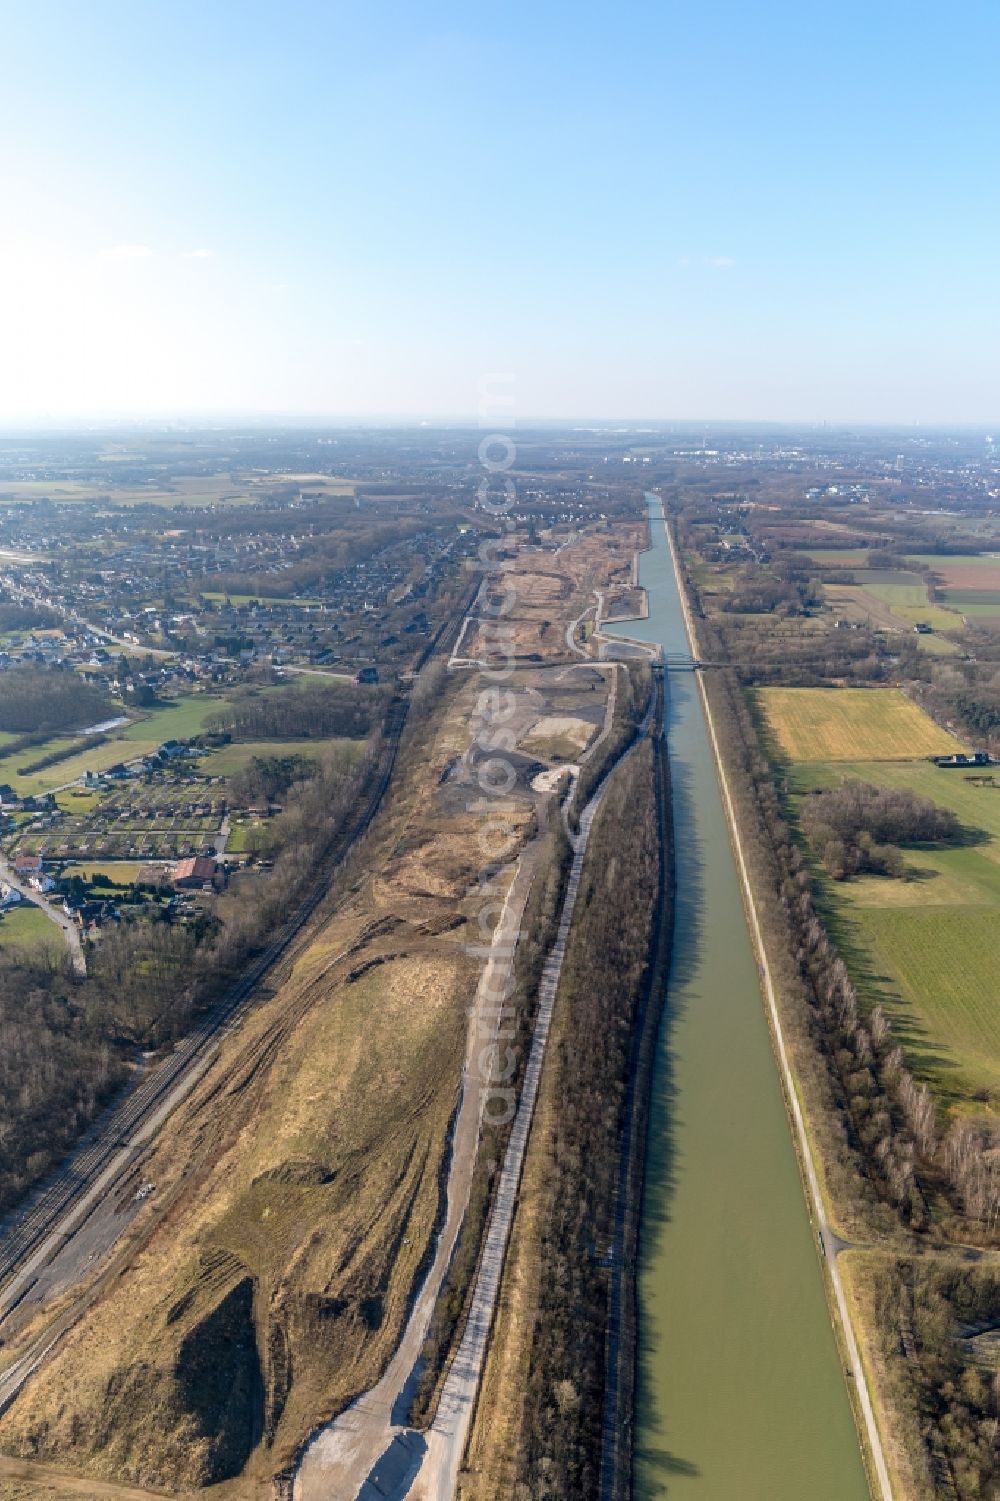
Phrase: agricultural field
{"type": "Point", "coordinates": [850, 724]}
{"type": "Point", "coordinates": [98, 757]}
{"type": "Point", "coordinates": [139, 737]}
{"type": "Point", "coordinates": [977, 604]}
{"type": "Point", "coordinates": [969, 795]}
{"type": "Point", "coordinates": [944, 562]}
{"type": "Point", "coordinates": [906, 597]}
{"type": "Point", "coordinates": [890, 602]}
{"type": "Point", "coordinates": [936, 972]}
{"type": "Point", "coordinates": [183, 490]}
{"type": "Point", "coordinates": [927, 947]}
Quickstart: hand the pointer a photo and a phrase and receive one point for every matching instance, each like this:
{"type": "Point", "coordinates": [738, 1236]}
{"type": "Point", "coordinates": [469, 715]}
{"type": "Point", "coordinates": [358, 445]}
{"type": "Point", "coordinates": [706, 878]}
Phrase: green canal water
{"type": "Point", "coordinates": [742, 1395]}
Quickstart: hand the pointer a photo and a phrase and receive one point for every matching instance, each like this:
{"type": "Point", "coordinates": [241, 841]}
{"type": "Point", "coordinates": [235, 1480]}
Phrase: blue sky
{"type": "Point", "coordinates": [667, 211]}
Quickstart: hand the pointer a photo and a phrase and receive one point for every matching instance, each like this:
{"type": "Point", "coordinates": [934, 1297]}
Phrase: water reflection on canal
{"type": "Point", "coordinates": [741, 1392]}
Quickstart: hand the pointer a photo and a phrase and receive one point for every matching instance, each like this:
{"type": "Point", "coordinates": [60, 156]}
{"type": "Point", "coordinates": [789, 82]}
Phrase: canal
{"type": "Point", "coordinates": [742, 1394]}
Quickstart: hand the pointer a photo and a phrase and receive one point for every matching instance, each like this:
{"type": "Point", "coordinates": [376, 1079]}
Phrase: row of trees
{"type": "Point", "coordinates": [36, 700]}
{"type": "Point", "coordinates": [302, 712]}
{"type": "Point", "coordinates": [632, 697]}
{"type": "Point", "coordinates": [539, 926]}
{"type": "Point", "coordinates": [600, 995]}
{"type": "Point", "coordinates": [891, 1170]}
{"type": "Point", "coordinates": [946, 1395]}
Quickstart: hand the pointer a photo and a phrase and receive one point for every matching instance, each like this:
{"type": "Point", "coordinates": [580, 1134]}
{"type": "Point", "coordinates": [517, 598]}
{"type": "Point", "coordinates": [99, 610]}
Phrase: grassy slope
{"type": "Point", "coordinates": [319, 1182]}
{"type": "Point", "coordinates": [310, 1166]}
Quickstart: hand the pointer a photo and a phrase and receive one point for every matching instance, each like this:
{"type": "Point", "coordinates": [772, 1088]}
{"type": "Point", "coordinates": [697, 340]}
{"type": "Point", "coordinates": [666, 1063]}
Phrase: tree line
{"type": "Point", "coordinates": [302, 712]}
{"type": "Point", "coordinates": [600, 993]}
{"type": "Point", "coordinates": [855, 828]}
{"type": "Point", "coordinates": [37, 700]}
{"type": "Point", "coordinates": [892, 1172]}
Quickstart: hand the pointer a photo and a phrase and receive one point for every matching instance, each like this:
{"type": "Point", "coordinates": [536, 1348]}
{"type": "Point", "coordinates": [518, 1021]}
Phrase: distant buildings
{"type": "Point", "coordinates": [977, 758]}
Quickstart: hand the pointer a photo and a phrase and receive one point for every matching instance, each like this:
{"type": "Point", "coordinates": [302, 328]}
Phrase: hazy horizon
{"type": "Point", "coordinates": [365, 211]}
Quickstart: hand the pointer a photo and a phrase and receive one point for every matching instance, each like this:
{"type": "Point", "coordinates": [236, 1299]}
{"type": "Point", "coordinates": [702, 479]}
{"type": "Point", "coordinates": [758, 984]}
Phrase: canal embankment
{"type": "Point", "coordinates": [741, 1388]}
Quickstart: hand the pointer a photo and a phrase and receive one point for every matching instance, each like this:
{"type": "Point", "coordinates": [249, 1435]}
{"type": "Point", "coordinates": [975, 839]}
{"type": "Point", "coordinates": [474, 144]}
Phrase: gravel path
{"type": "Point", "coordinates": [368, 1439]}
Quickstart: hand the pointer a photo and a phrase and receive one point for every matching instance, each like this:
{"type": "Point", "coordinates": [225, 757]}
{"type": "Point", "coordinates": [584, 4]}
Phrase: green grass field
{"type": "Point", "coordinates": [28, 928]}
{"type": "Point", "coordinates": [928, 947]}
{"type": "Point", "coordinates": [176, 721]}
{"type": "Point", "coordinates": [76, 800]}
{"type": "Point", "coordinates": [978, 604]}
{"type": "Point", "coordinates": [97, 758]}
{"type": "Point", "coordinates": [938, 646]}
{"type": "Point", "coordinates": [910, 603]}
{"type": "Point", "coordinates": [184, 490]}
{"type": "Point", "coordinates": [232, 758]}
{"type": "Point", "coordinates": [848, 724]}
{"type": "Point", "coordinates": [976, 807]}
{"type": "Point", "coordinates": [260, 599]}
{"type": "Point", "coordinates": [955, 560]}
{"type": "Point", "coordinates": [937, 967]}
{"type": "Point", "coordinates": [122, 872]}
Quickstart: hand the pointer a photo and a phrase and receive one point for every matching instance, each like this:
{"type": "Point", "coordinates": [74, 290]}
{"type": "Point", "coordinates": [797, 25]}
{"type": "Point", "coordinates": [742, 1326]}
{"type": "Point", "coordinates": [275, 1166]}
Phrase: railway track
{"type": "Point", "coordinates": [31, 1238]}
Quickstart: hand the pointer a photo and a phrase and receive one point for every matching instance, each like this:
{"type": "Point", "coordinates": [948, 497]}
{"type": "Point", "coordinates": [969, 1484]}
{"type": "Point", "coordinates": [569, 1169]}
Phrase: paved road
{"type": "Point", "coordinates": [70, 932]}
{"type": "Point", "coordinates": [448, 1435]}
{"type": "Point", "coordinates": [368, 1439]}
{"type": "Point", "coordinates": [23, 594]}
